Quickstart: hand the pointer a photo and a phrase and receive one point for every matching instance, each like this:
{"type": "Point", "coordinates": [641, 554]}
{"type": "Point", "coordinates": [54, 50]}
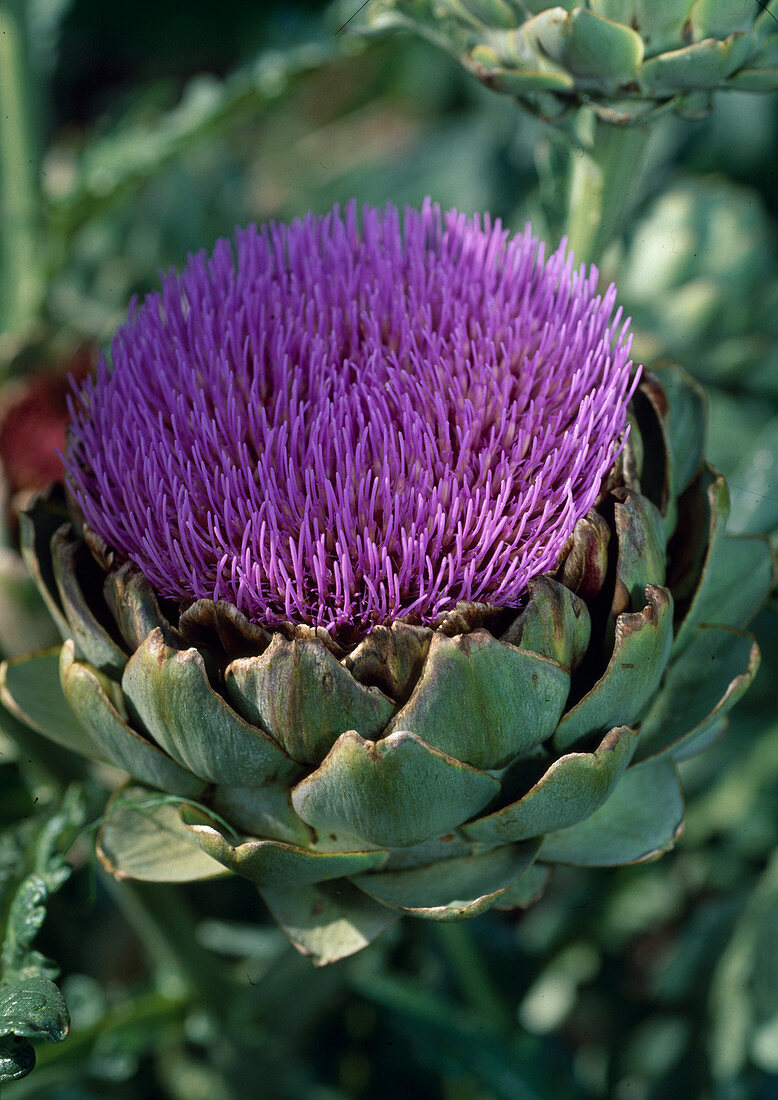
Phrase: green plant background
{"type": "Point", "coordinates": [135, 134]}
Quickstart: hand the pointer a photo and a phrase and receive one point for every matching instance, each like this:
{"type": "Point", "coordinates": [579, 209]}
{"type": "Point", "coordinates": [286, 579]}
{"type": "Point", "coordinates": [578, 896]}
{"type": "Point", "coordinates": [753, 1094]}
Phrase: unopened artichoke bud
{"type": "Point", "coordinates": [388, 581]}
{"type": "Point", "coordinates": [627, 59]}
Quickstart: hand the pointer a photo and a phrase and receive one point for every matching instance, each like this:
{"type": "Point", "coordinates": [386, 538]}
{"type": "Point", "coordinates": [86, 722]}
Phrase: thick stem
{"type": "Point", "coordinates": [21, 274]}
{"type": "Point", "coordinates": [602, 184]}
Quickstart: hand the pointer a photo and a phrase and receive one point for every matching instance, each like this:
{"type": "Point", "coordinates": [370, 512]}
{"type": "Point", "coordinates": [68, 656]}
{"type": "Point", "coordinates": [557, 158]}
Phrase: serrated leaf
{"type": "Point", "coordinates": [25, 917]}
{"type": "Point", "coordinates": [33, 1008]}
{"type": "Point", "coordinates": [17, 1058]}
{"type": "Point", "coordinates": [32, 867]}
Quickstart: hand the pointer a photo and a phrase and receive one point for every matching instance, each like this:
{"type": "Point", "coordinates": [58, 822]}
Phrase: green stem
{"type": "Point", "coordinates": [602, 183]}
{"type": "Point", "coordinates": [474, 980]}
{"type": "Point", "coordinates": [21, 277]}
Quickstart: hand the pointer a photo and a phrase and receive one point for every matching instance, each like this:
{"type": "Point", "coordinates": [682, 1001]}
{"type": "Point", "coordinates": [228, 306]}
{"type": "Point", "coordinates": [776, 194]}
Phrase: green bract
{"type": "Point", "coordinates": [628, 59]}
{"type": "Point", "coordinates": [433, 772]}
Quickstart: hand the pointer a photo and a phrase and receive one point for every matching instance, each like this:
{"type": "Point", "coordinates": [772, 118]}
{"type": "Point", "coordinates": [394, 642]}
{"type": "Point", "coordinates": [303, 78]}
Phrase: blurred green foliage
{"type": "Point", "coordinates": [152, 130]}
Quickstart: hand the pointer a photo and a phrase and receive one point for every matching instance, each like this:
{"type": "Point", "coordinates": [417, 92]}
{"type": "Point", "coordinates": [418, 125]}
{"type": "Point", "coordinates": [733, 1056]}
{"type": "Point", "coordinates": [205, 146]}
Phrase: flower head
{"type": "Point", "coordinates": [341, 424]}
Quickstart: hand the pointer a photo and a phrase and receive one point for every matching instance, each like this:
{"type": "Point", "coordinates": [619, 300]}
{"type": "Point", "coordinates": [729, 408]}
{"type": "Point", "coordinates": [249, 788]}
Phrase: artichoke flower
{"type": "Point", "coordinates": [385, 578]}
{"type": "Point", "coordinates": [627, 59]}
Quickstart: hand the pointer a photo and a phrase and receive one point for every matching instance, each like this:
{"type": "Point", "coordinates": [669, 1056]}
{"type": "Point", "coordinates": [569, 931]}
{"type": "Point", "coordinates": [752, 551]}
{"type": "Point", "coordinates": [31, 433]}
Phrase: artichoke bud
{"type": "Point", "coordinates": [392, 615]}
{"type": "Point", "coordinates": [627, 59]}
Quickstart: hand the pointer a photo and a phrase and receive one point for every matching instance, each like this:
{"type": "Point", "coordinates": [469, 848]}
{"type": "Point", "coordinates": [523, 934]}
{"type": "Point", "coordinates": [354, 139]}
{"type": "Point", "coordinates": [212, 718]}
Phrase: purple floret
{"type": "Point", "coordinates": [340, 425]}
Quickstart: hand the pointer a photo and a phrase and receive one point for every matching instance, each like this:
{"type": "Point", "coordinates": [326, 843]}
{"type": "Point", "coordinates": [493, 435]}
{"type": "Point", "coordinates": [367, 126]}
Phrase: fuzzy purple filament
{"type": "Point", "coordinates": [342, 426]}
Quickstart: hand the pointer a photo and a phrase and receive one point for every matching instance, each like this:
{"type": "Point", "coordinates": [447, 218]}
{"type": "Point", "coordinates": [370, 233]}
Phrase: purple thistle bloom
{"type": "Point", "coordinates": [339, 426]}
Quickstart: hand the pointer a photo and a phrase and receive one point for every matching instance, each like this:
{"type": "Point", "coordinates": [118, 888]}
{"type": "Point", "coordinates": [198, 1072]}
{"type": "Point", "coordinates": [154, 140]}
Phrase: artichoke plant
{"type": "Point", "coordinates": [627, 59]}
{"type": "Point", "coordinates": [385, 578]}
